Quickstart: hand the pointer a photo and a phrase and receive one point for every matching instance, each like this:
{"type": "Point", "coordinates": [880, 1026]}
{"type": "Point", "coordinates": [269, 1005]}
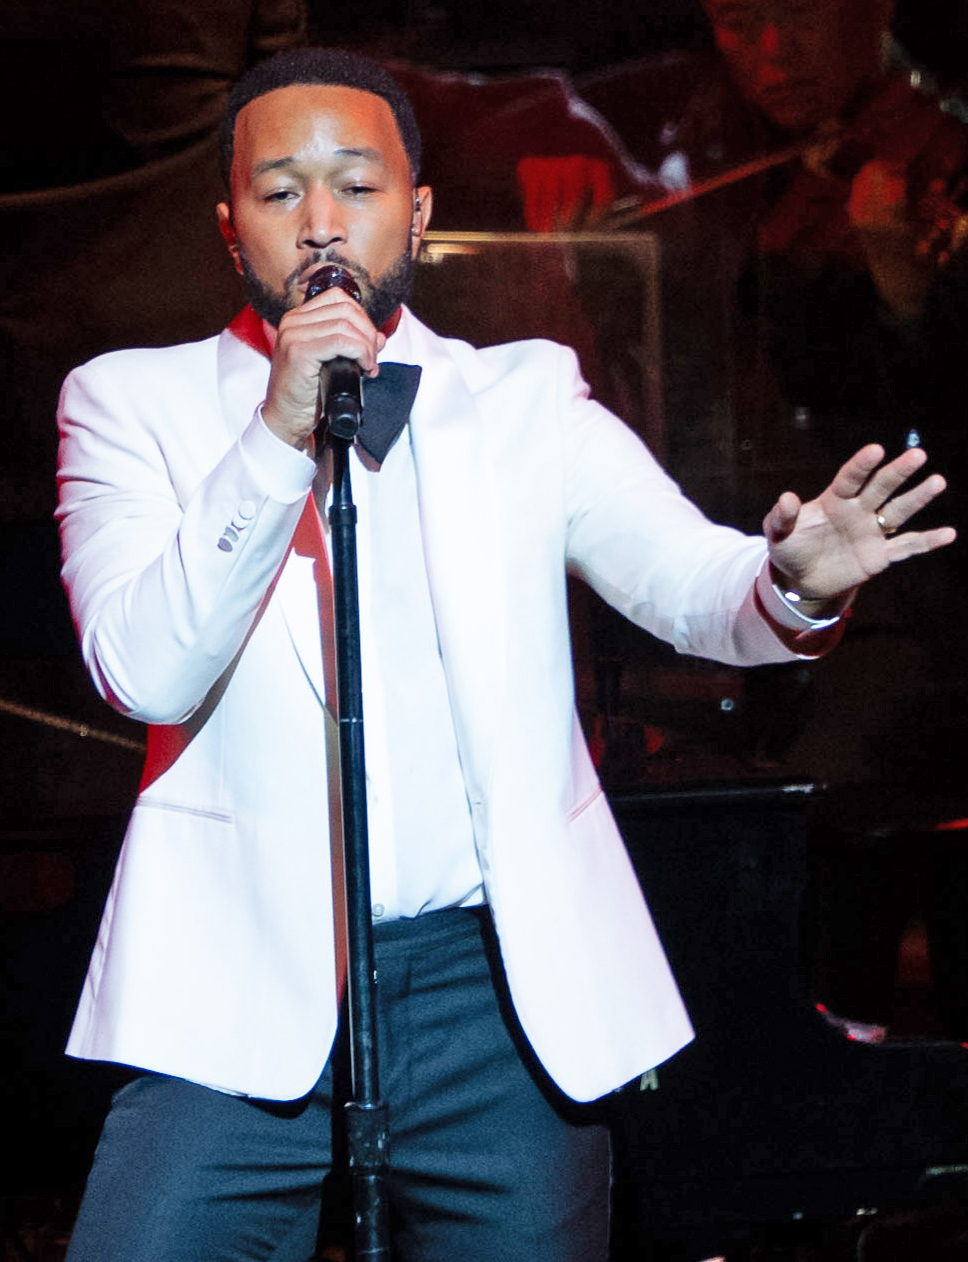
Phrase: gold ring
{"type": "Point", "coordinates": [886, 530]}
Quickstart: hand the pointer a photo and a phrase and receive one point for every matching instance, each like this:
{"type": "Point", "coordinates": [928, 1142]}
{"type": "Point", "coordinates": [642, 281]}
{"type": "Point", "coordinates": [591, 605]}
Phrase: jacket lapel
{"type": "Point", "coordinates": [305, 594]}
{"type": "Point", "coordinates": [456, 494]}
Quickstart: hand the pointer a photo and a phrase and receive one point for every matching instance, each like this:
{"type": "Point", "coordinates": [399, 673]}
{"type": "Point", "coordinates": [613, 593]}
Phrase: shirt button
{"type": "Point", "coordinates": [247, 510]}
{"type": "Point", "coordinates": [378, 910]}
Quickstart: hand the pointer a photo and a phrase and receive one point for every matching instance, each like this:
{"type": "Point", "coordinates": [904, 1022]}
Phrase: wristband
{"type": "Point", "coordinates": [781, 603]}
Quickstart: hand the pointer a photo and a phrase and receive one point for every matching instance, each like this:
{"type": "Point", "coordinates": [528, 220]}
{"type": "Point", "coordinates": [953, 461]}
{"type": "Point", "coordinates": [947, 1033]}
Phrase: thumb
{"type": "Point", "coordinates": [780, 521]}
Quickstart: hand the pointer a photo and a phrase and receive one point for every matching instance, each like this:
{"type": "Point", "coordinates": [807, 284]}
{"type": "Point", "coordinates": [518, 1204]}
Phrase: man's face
{"type": "Point", "coordinates": [320, 175]}
{"type": "Point", "coordinates": [799, 61]}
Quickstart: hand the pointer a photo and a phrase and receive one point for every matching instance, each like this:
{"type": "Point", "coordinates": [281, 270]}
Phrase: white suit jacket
{"type": "Point", "coordinates": [216, 958]}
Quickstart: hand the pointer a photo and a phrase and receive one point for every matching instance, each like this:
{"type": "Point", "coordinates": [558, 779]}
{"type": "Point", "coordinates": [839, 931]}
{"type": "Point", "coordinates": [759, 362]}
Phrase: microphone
{"type": "Point", "coordinates": [339, 380]}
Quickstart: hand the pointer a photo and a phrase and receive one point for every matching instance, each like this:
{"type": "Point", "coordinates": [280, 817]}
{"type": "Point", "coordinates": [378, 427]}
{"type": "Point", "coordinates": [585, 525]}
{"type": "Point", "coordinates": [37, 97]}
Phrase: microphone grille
{"type": "Point", "coordinates": [332, 276]}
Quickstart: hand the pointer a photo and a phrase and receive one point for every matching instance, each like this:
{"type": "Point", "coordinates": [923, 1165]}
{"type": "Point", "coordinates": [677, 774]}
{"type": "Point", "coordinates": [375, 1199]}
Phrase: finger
{"type": "Point", "coordinates": [782, 517]}
{"type": "Point", "coordinates": [334, 320]}
{"type": "Point", "coordinates": [852, 476]}
{"type": "Point", "coordinates": [916, 542]}
{"type": "Point", "coordinates": [327, 301]}
{"type": "Point", "coordinates": [589, 192]}
{"type": "Point", "coordinates": [323, 335]}
{"type": "Point", "coordinates": [381, 341]}
{"type": "Point", "coordinates": [884, 481]}
{"type": "Point", "coordinates": [602, 189]}
{"type": "Point", "coordinates": [326, 329]}
{"type": "Point", "coordinates": [901, 508]}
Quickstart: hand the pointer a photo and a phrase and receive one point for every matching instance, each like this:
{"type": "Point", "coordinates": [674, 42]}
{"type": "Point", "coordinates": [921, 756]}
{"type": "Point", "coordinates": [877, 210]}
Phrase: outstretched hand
{"type": "Point", "coordinates": [824, 549]}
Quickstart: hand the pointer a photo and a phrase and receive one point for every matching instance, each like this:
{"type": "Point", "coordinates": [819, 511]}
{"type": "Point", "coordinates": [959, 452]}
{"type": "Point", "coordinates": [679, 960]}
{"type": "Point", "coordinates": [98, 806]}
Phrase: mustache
{"type": "Point", "coordinates": [380, 298]}
{"type": "Point", "coordinates": [319, 257]}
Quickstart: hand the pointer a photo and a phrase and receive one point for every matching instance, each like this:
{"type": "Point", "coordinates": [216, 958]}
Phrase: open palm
{"type": "Point", "coordinates": [852, 530]}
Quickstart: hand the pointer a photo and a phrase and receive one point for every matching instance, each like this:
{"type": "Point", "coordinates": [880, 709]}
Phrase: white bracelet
{"type": "Point", "coordinates": [791, 601]}
{"type": "Point", "coordinates": [780, 603]}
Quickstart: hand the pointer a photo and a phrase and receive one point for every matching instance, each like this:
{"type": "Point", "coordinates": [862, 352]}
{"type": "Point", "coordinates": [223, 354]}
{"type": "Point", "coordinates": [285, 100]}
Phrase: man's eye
{"type": "Point", "coordinates": [358, 190]}
{"type": "Point", "coordinates": [279, 195]}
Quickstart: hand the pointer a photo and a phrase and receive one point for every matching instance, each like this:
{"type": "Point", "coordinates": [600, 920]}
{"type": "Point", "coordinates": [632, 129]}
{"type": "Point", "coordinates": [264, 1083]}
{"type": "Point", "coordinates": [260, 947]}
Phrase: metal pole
{"type": "Point", "coordinates": [366, 1113]}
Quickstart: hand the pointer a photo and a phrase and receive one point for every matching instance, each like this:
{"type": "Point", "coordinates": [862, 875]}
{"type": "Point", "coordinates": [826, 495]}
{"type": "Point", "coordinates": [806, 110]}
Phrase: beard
{"type": "Point", "coordinates": [379, 300]}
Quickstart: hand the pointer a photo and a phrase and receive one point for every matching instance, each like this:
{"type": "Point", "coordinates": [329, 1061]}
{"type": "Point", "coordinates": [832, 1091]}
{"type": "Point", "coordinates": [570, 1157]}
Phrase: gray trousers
{"type": "Point", "coordinates": [488, 1161]}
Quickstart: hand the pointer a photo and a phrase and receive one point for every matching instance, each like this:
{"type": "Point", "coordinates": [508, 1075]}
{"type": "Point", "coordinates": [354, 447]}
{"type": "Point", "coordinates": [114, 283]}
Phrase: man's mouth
{"type": "Point", "coordinates": [301, 276]}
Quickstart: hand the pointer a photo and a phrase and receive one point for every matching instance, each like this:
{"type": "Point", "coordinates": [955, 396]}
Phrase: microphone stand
{"type": "Point", "coordinates": [366, 1114]}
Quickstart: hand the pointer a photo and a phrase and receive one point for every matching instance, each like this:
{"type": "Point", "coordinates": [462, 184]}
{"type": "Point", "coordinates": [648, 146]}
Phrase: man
{"type": "Point", "coordinates": [854, 231]}
{"type": "Point", "coordinates": [851, 225]}
{"type": "Point", "coordinates": [198, 575]}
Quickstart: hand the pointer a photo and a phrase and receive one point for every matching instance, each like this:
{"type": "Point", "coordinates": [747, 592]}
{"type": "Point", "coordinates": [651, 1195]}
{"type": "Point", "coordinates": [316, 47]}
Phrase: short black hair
{"type": "Point", "coordinates": [328, 66]}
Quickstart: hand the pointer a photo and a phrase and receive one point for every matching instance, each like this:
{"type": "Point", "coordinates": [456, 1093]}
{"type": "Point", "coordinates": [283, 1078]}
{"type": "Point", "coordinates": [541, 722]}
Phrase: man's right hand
{"type": "Point", "coordinates": [309, 336]}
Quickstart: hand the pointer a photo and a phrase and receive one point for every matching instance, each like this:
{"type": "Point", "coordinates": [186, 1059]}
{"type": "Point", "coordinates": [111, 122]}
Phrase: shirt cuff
{"type": "Point", "coordinates": [286, 472]}
{"type": "Point", "coordinates": [806, 636]}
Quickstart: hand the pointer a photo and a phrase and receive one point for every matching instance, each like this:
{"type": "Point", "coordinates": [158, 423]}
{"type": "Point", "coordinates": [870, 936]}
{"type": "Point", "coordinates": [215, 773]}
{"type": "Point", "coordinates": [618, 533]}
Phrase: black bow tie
{"type": "Point", "coordinates": [387, 400]}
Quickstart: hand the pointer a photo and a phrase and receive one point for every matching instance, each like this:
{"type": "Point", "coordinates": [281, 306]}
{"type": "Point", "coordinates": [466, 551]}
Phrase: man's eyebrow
{"type": "Point", "coordinates": [272, 164]}
{"type": "Point", "coordinates": [366, 153]}
{"type": "Point", "coordinates": [279, 164]}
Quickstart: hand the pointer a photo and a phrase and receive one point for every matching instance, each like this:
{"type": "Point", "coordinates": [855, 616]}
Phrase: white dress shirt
{"type": "Point", "coordinates": [422, 854]}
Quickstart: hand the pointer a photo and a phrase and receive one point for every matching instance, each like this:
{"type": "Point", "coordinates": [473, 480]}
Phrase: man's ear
{"type": "Point", "coordinates": [229, 236]}
{"type": "Point", "coordinates": [423, 205]}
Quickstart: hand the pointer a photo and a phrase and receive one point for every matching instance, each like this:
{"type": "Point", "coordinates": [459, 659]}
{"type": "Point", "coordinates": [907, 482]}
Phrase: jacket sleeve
{"type": "Point", "coordinates": [166, 565]}
{"type": "Point", "coordinates": [653, 555]}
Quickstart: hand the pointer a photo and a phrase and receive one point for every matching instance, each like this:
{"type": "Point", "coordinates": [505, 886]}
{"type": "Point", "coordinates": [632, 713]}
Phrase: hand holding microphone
{"type": "Point", "coordinates": [340, 393]}
{"type": "Point", "coordinates": [321, 349]}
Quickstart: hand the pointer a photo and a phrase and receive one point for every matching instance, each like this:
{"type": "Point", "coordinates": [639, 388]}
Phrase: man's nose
{"type": "Point", "coordinates": [776, 46]}
{"type": "Point", "coordinates": [323, 219]}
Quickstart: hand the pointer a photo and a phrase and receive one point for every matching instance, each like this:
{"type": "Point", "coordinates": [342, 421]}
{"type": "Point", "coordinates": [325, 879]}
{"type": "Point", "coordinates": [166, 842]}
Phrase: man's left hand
{"type": "Point", "coordinates": [826, 548]}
